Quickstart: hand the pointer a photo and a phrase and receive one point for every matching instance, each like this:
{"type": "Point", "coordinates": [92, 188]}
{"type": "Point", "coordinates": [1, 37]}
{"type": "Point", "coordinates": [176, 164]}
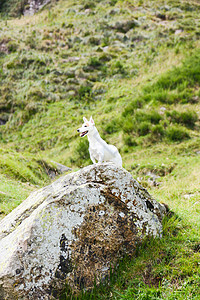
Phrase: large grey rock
{"type": "Point", "coordinates": [33, 6]}
{"type": "Point", "coordinates": [73, 230]}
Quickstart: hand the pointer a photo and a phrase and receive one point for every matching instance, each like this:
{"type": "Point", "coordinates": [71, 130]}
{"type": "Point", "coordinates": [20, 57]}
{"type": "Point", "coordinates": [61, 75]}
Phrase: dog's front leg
{"type": "Point", "coordinates": [101, 157]}
{"type": "Point", "coordinates": [92, 157]}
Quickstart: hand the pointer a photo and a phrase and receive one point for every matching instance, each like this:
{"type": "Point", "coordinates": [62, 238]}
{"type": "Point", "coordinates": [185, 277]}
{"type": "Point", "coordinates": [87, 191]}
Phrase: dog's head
{"type": "Point", "coordinates": [86, 127]}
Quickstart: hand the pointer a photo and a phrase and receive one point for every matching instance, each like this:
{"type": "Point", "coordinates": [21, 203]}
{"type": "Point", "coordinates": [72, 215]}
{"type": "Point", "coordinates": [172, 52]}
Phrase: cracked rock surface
{"type": "Point", "coordinates": [73, 230]}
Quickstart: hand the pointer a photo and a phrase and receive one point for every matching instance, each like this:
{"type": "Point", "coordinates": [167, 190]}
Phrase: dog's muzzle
{"type": "Point", "coordinates": [82, 134]}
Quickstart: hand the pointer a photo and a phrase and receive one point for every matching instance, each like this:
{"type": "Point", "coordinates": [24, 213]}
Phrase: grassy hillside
{"type": "Point", "coordinates": [135, 67]}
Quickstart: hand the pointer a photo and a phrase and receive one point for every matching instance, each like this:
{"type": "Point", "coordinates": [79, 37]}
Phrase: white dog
{"type": "Point", "coordinates": [99, 150]}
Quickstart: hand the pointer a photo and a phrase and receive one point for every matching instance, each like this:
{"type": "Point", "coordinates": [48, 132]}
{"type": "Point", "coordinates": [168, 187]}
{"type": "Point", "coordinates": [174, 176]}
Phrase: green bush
{"type": "Point", "coordinates": [141, 121]}
{"type": "Point", "coordinates": [154, 117]}
{"type": "Point", "coordinates": [144, 128]}
{"type": "Point", "coordinates": [187, 118]}
{"type": "Point", "coordinates": [136, 103]}
{"type": "Point", "coordinates": [117, 68]}
{"type": "Point", "coordinates": [112, 126]}
{"type": "Point", "coordinates": [130, 141]}
{"type": "Point", "coordinates": [128, 124]}
{"type": "Point", "coordinates": [163, 96]}
{"type": "Point", "coordinates": [85, 92]}
{"type": "Point", "coordinates": [94, 62]}
{"type": "Point", "coordinates": [12, 46]}
{"type": "Point", "coordinates": [31, 41]}
{"type": "Point", "coordinates": [157, 131]}
{"type": "Point", "coordinates": [177, 133]}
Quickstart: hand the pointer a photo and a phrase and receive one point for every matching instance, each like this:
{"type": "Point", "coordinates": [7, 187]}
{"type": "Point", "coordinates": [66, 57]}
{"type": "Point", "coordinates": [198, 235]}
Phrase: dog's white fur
{"type": "Point", "coordinates": [99, 150]}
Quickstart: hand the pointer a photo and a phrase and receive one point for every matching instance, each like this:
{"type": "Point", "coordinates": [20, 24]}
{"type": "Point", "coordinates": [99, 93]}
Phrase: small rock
{"type": "Point", "coordinates": [179, 31]}
{"type": "Point", "coordinates": [162, 110]}
{"type": "Point", "coordinates": [2, 193]}
{"type": "Point", "coordinates": [71, 59]}
{"type": "Point", "coordinates": [61, 168]}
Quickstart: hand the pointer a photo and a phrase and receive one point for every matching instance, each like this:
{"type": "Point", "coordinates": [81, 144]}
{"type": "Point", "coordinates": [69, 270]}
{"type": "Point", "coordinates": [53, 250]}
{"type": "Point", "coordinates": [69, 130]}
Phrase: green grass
{"type": "Point", "coordinates": [135, 67]}
{"type": "Point", "coordinates": [12, 193]}
{"type": "Point", "coordinates": [20, 174]}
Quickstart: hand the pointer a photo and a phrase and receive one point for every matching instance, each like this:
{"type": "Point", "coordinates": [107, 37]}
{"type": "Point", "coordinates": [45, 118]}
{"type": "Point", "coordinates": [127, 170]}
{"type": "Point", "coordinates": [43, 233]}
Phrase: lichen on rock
{"type": "Point", "coordinates": [73, 231]}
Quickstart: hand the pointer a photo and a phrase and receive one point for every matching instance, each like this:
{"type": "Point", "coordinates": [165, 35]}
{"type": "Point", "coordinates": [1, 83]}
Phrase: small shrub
{"type": "Point", "coordinates": [141, 122]}
{"type": "Point", "coordinates": [117, 68]}
{"type": "Point", "coordinates": [154, 117]}
{"type": "Point", "coordinates": [32, 108]}
{"type": "Point", "coordinates": [35, 94]}
{"type": "Point", "coordinates": [93, 40]}
{"type": "Point", "coordinates": [144, 128]}
{"type": "Point", "coordinates": [112, 126]}
{"type": "Point", "coordinates": [130, 141]}
{"type": "Point", "coordinates": [94, 62]}
{"type": "Point", "coordinates": [136, 103]}
{"type": "Point", "coordinates": [177, 133]}
{"type": "Point", "coordinates": [12, 46]}
{"type": "Point", "coordinates": [158, 131]}
{"type": "Point", "coordinates": [85, 92]}
{"type": "Point", "coordinates": [166, 97]}
{"type": "Point", "coordinates": [141, 116]}
{"type": "Point", "coordinates": [160, 170]}
{"type": "Point", "coordinates": [128, 124]}
{"type": "Point", "coordinates": [187, 118]}
{"type": "Point", "coordinates": [31, 42]}
{"type": "Point", "coordinates": [99, 88]}
{"type": "Point", "coordinates": [105, 57]}
{"type": "Point", "coordinates": [156, 134]}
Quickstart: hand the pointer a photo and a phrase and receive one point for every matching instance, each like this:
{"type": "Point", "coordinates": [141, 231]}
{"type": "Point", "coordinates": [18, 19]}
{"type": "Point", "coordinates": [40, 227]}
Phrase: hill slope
{"type": "Point", "coordinates": [135, 67]}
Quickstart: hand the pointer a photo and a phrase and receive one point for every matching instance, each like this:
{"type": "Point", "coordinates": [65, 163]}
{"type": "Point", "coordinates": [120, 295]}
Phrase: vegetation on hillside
{"type": "Point", "coordinates": [135, 67]}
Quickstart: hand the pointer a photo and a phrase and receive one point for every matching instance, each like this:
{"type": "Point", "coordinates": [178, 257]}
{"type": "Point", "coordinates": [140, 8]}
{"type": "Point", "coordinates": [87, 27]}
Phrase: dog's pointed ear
{"type": "Point", "coordinates": [91, 121]}
{"type": "Point", "coordinates": [85, 120]}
